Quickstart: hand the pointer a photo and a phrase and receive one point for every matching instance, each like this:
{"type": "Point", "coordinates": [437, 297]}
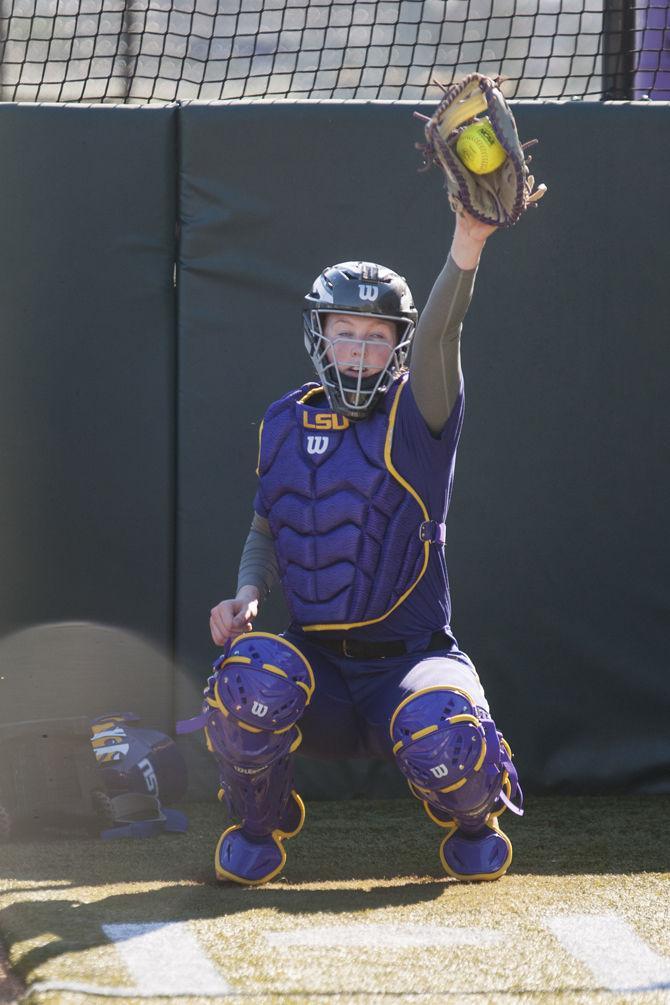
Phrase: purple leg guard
{"type": "Point", "coordinates": [257, 693]}
{"type": "Point", "coordinates": [256, 771]}
{"type": "Point", "coordinates": [459, 765]}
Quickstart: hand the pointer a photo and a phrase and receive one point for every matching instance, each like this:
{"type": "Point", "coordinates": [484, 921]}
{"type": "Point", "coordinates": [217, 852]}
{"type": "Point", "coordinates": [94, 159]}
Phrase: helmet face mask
{"type": "Point", "coordinates": [356, 393]}
{"type": "Point", "coordinates": [369, 291]}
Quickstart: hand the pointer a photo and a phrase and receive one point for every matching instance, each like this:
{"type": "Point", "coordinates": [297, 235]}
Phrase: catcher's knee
{"type": "Point", "coordinates": [454, 758]}
{"type": "Point", "coordinates": [257, 693]}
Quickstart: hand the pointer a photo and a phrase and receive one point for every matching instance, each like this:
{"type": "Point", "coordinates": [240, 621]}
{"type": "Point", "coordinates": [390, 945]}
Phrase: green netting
{"type": "Point", "coordinates": [156, 50]}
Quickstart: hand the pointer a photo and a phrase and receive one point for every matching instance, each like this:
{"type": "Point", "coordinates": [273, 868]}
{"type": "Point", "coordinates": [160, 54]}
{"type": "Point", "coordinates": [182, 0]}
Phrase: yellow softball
{"type": "Point", "coordinates": [479, 149]}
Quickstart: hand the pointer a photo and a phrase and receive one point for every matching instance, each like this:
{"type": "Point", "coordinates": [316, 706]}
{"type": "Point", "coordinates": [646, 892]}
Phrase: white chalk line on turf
{"type": "Point", "coordinates": [382, 936]}
{"type": "Point", "coordinates": [167, 961]}
{"type": "Point", "coordinates": [166, 958]}
{"type": "Point", "coordinates": [616, 956]}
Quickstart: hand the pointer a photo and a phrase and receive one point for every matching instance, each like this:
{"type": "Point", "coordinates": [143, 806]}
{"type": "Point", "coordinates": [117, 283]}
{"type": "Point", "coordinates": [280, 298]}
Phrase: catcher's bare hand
{"type": "Point", "coordinates": [471, 227]}
{"type": "Point", "coordinates": [232, 617]}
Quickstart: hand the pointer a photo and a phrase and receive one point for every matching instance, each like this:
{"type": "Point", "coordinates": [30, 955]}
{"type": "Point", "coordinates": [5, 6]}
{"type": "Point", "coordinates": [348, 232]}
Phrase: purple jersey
{"type": "Point", "coordinates": [402, 468]}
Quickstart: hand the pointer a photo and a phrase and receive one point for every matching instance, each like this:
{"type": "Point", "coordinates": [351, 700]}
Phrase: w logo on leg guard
{"type": "Point", "coordinates": [259, 709]}
{"type": "Point", "coordinates": [440, 771]}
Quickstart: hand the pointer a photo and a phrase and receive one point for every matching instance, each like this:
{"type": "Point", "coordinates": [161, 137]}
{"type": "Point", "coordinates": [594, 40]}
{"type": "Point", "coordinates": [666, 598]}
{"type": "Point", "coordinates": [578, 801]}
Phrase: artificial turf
{"type": "Point", "coordinates": [356, 863]}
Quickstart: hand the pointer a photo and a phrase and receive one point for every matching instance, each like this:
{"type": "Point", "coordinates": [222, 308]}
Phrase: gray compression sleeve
{"type": "Point", "coordinates": [258, 564]}
{"type": "Point", "coordinates": [435, 366]}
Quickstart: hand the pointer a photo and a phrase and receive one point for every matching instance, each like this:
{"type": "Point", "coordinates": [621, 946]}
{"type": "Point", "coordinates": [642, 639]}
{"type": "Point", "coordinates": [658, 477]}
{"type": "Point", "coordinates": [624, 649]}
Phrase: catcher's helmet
{"type": "Point", "coordinates": [131, 759]}
{"type": "Point", "coordinates": [371, 291]}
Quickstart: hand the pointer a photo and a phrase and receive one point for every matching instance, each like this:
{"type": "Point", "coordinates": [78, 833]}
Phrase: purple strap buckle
{"type": "Point", "coordinates": [191, 725]}
{"type": "Point", "coordinates": [514, 807]}
{"type": "Point", "coordinates": [433, 532]}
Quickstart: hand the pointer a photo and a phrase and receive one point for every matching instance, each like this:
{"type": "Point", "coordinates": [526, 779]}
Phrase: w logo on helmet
{"type": "Point", "coordinates": [317, 444]}
{"type": "Point", "coordinates": [440, 771]}
{"type": "Point", "coordinates": [259, 709]}
{"type": "Point", "coordinates": [368, 292]}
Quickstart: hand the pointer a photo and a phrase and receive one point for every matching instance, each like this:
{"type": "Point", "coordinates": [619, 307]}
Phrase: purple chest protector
{"type": "Point", "coordinates": [344, 521]}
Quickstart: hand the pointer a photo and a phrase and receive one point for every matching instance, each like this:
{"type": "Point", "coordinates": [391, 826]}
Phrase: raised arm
{"type": "Point", "coordinates": [435, 367]}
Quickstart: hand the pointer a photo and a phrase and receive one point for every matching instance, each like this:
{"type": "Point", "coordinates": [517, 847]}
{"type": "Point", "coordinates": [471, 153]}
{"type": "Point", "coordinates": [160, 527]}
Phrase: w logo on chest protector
{"type": "Point", "coordinates": [317, 444]}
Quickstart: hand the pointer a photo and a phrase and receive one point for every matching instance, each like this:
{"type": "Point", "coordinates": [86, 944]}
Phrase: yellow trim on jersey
{"type": "Point", "coordinates": [258, 461]}
{"type": "Point", "coordinates": [426, 547]}
{"type": "Point", "coordinates": [310, 394]}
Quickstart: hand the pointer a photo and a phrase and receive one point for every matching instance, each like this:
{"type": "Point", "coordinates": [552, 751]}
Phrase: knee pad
{"type": "Point", "coordinates": [253, 701]}
{"type": "Point", "coordinates": [262, 681]}
{"type": "Point", "coordinates": [454, 758]}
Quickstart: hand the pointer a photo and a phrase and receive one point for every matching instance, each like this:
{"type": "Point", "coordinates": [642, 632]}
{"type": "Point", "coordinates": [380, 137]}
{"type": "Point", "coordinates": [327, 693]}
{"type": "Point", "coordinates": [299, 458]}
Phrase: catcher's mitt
{"type": "Point", "coordinates": [500, 197]}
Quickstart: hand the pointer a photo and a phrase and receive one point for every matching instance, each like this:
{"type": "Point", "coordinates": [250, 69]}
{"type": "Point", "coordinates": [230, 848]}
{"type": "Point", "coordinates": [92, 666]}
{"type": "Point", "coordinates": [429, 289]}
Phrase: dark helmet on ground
{"type": "Point", "coordinates": [134, 759]}
{"type": "Point", "coordinates": [371, 291]}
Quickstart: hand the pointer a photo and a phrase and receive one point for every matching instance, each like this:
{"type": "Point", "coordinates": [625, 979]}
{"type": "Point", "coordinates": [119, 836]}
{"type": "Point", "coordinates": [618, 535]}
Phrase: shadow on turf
{"type": "Point", "coordinates": [74, 927]}
{"type": "Point", "coordinates": [67, 938]}
{"type": "Point", "coordinates": [342, 843]}
{"type": "Point", "coordinates": [364, 840]}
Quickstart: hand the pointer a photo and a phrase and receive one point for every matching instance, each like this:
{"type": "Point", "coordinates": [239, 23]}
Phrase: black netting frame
{"type": "Point", "coordinates": [168, 50]}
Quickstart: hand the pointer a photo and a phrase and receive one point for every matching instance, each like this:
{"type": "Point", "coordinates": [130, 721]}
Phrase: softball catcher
{"type": "Point", "coordinates": [355, 475]}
